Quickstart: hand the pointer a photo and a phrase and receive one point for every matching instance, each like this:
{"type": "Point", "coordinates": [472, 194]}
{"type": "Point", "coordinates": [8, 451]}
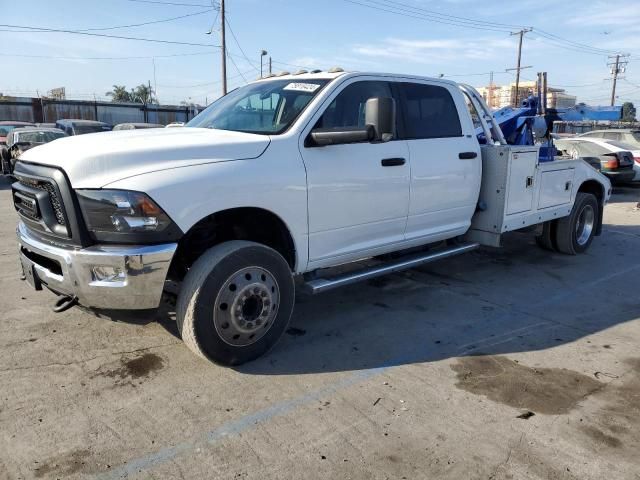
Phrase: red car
{"type": "Point", "coordinates": [6, 127]}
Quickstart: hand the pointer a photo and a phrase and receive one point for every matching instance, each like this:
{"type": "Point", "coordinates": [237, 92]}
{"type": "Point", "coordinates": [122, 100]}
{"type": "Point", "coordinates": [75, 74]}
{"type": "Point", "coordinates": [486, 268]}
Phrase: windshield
{"type": "Point", "coordinates": [82, 129]}
{"type": "Point", "coordinates": [267, 108]}
{"type": "Point", "coordinates": [621, 145]}
{"type": "Point", "coordinates": [5, 129]}
{"type": "Point", "coordinates": [37, 137]}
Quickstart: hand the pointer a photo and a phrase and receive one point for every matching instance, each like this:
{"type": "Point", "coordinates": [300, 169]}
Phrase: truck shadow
{"type": "Point", "coordinates": [490, 301]}
{"type": "Point", "coordinates": [516, 299]}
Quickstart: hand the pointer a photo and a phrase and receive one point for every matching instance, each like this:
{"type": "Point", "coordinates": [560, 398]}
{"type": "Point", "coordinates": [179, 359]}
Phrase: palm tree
{"type": "Point", "coordinates": [119, 94]}
{"type": "Point", "coordinates": [143, 93]}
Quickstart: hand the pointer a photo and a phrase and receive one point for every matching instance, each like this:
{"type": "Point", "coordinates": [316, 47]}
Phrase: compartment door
{"type": "Point", "coordinates": [520, 186]}
{"type": "Point", "coordinates": [555, 188]}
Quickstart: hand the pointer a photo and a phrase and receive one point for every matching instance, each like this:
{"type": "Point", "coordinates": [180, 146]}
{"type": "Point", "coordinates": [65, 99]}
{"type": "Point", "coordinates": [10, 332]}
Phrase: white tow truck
{"type": "Point", "coordinates": [283, 179]}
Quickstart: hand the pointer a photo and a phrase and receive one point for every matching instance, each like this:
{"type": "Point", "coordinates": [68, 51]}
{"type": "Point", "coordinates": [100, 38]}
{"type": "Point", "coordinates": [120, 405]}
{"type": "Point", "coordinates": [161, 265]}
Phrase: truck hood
{"type": "Point", "coordinates": [95, 160]}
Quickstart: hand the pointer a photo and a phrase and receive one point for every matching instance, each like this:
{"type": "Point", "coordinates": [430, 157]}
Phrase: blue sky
{"type": "Point", "coordinates": [314, 34]}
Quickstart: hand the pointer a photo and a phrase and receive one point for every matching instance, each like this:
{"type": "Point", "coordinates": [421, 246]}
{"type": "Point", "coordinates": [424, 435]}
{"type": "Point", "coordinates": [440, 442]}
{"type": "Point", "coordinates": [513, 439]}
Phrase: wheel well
{"type": "Point", "coordinates": [596, 189]}
{"type": "Point", "coordinates": [248, 223]}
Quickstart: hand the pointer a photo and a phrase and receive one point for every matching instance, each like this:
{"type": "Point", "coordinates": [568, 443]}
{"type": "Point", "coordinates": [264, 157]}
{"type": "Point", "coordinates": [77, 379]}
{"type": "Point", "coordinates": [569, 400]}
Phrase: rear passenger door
{"type": "Point", "coordinates": [446, 165]}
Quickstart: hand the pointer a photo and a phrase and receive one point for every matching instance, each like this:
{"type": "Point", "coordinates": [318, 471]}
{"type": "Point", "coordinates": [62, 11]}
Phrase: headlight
{"type": "Point", "coordinates": [125, 216]}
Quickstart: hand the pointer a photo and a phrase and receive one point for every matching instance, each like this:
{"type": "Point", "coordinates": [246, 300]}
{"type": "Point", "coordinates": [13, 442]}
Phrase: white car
{"type": "Point", "coordinates": [280, 180]}
{"type": "Point", "coordinates": [629, 136]}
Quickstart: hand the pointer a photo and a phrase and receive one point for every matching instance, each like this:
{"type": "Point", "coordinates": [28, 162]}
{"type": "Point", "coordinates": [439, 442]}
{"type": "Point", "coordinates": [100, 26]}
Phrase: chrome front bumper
{"type": "Point", "coordinates": [139, 284]}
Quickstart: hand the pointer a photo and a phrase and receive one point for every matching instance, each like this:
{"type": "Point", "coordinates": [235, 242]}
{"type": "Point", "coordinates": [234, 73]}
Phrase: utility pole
{"type": "Point", "coordinates": [270, 67]}
{"type": "Point", "coordinates": [224, 48]}
{"type": "Point", "coordinates": [617, 67]}
{"type": "Point", "coordinates": [518, 68]}
{"type": "Point", "coordinates": [490, 96]}
{"type": "Point", "coordinates": [155, 82]}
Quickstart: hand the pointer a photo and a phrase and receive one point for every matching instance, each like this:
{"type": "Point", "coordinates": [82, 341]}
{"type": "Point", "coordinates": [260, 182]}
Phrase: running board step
{"type": "Point", "coordinates": [320, 285]}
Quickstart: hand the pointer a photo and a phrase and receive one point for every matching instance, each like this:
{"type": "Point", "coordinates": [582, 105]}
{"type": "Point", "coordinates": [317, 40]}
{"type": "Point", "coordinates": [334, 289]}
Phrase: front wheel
{"type": "Point", "coordinates": [236, 302]}
{"type": "Point", "coordinates": [574, 234]}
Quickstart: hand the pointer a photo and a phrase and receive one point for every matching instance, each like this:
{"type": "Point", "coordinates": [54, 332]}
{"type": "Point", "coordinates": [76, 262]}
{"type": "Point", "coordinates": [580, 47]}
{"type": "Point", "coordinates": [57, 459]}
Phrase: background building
{"type": "Point", "coordinates": [505, 96]}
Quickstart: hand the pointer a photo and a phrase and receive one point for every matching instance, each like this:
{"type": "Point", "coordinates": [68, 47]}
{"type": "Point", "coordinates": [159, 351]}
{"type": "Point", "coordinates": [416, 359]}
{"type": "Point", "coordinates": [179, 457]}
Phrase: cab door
{"type": "Point", "coordinates": [446, 166]}
{"type": "Point", "coordinates": [358, 194]}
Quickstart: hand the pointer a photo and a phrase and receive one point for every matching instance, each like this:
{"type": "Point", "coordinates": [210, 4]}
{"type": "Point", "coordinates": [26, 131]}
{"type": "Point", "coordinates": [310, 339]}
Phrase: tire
{"type": "Point", "coordinates": [575, 233]}
{"type": "Point", "coordinates": [235, 302]}
{"type": "Point", "coordinates": [545, 240]}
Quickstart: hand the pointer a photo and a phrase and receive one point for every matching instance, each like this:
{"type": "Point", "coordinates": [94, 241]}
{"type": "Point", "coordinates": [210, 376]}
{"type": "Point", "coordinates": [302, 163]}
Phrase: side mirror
{"type": "Point", "coordinates": [380, 113]}
{"type": "Point", "coordinates": [321, 137]}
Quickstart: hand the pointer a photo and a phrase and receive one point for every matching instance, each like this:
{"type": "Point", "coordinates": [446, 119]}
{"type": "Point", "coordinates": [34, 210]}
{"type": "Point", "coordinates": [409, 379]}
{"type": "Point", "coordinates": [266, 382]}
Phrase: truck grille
{"type": "Point", "coordinates": [48, 187]}
{"type": "Point", "coordinates": [56, 204]}
{"type": "Point", "coordinates": [40, 196]}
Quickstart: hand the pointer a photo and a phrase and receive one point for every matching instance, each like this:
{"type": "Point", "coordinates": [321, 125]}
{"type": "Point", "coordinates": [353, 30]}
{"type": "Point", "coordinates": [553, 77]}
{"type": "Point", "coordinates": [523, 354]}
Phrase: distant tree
{"type": "Point", "coordinates": [628, 112]}
{"type": "Point", "coordinates": [119, 94]}
{"type": "Point", "coordinates": [143, 94]}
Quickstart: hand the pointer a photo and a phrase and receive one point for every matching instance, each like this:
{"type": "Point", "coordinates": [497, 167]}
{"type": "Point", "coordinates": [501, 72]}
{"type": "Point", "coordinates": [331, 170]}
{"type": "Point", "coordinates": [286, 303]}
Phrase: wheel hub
{"type": "Point", "coordinates": [585, 225]}
{"type": "Point", "coordinates": [246, 306]}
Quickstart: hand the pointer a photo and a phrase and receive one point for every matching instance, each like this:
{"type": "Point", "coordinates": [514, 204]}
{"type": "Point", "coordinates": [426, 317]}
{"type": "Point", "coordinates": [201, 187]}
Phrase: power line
{"type": "Point", "coordinates": [425, 17]}
{"type": "Point", "coordinates": [153, 22]}
{"type": "Point", "coordinates": [291, 64]}
{"type": "Point", "coordinates": [240, 47]}
{"type": "Point", "coordinates": [146, 23]}
{"type": "Point", "coordinates": [76, 32]}
{"type": "Point", "coordinates": [206, 84]}
{"type": "Point", "coordinates": [445, 75]}
{"type": "Point", "coordinates": [140, 57]}
{"type": "Point", "coordinates": [556, 43]}
{"type": "Point", "coordinates": [238, 70]}
{"type": "Point", "coordinates": [446, 16]}
{"type": "Point", "coordinates": [580, 86]}
{"type": "Point", "coordinates": [176, 4]}
{"type": "Point", "coordinates": [578, 45]}
{"type": "Point", "coordinates": [630, 83]}
{"type": "Point", "coordinates": [394, 7]}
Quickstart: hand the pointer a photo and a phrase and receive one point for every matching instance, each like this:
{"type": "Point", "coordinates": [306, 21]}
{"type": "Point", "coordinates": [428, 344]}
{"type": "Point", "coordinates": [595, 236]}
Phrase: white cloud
{"type": "Point", "coordinates": [624, 13]}
{"type": "Point", "coordinates": [434, 51]}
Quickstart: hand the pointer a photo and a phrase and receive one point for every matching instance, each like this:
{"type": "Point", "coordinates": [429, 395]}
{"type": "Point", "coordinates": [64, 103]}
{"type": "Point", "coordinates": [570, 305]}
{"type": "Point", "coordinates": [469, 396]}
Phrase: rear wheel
{"type": "Point", "coordinates": [575, 233]}
{"type": "Point", "coordinates": [235, 302]}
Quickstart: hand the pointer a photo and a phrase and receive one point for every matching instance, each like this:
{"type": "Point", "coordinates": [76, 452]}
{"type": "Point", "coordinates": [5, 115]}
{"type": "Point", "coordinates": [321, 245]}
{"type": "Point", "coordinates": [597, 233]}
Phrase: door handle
{"type": "Point", "coordinates": [393, 162]}
{"type": "Point", "coordinates": [467, 155]}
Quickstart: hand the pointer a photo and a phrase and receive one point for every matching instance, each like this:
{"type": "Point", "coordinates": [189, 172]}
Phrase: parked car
{"type": "Point", "coordinates": [624, 135]}
{"type": "Point", "coordinates": [616, 162]}
{"type": "Point", "coordinates": [636, 155]}
{"type": "Point", "coordinates": [80, 127]}
{"type": "Point", "coordinates": [22, 139]}
{"type": "Point", "coordinates": [136, 126]}
{"type": "Point", "coordinates": [175, 124]}
{"type": "Point", "coordinates": [46, 125]}
{"type": "Point", "coordinates": [7, 126]}
{"type": "Point", "coordinates": [251, 195]}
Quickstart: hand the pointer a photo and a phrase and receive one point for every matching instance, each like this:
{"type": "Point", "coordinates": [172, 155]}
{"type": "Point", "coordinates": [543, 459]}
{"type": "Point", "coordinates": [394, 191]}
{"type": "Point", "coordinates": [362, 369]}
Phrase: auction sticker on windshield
{"type": "Point", "coordinates": [302, 87]}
